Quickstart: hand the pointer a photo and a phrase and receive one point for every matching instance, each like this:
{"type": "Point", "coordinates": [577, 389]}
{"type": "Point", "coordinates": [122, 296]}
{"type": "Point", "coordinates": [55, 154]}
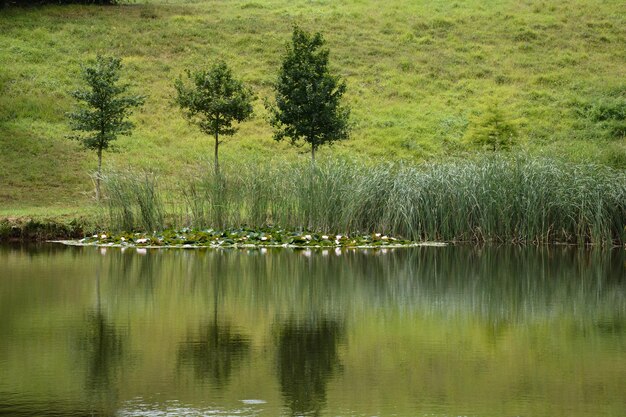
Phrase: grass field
{"type": "Point", "coordinates": [418, 73]}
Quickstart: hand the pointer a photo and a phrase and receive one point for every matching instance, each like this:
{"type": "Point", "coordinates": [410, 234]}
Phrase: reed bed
{"type": "Point", "coordinates": [133, 201]}
{"type": "Point", "coordinates": [494, 198]}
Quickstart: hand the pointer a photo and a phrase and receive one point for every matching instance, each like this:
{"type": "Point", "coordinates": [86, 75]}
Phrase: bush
{"type": "Point", "coordinates": [493, 128]}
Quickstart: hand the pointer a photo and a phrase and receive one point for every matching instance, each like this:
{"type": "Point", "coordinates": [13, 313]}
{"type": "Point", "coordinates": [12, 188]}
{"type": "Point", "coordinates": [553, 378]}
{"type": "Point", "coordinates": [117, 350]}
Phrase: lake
{"type": "Point", "coordinates": [427, 331]}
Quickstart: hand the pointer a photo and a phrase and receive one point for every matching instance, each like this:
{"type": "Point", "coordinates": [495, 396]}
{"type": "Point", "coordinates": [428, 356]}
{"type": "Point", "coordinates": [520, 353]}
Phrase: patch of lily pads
{"type": "Point", "coordinates": [241, 237]}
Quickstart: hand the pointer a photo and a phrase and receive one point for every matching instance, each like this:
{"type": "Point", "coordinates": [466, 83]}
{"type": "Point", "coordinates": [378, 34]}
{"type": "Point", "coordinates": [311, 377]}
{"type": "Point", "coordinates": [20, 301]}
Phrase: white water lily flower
{"type": "Point", "coordinates": [253, 401]}
{"type": "Point", "coordinates": [377, 235]}
{"type": "Point", "coordinates": [95, 236]}
{"type": "Point", "coordinates": [384, 237]}
{"type": "Point", "coordinates": [123, 239]}
{"type": "Point", "coordinates": [264, 238]}
{"type": "Point", "coordinates": [339, 237]}
{"type": "Point", "coordinates": [308, 237]}
{"type": "Point", "coordinates": [103, 236]}
{"type": "Point", "coordinates": [141, 240]}
{"type": "Point", "coordinates": [325, 237]}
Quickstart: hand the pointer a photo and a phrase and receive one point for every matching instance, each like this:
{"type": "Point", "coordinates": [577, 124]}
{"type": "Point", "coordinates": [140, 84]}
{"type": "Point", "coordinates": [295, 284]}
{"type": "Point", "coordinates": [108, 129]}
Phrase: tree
{"type": "Point", "coordinates": [214, 101]}
{"type": "Point", "coordinates": [307, 96]}
{"type": "Point", "coordinates": [493, 129]}
{"type": "Point", "coordinates": [104, 108]}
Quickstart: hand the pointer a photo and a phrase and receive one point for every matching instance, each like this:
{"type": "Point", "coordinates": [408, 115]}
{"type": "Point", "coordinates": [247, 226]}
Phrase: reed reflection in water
{"type": "Point", "coordinates": [455, 330]}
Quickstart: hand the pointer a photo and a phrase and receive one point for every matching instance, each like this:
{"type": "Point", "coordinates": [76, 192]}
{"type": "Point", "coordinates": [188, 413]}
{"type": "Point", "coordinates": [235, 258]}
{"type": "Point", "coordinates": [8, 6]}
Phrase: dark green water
{"type": "Point", "coordinates": [452, 331]}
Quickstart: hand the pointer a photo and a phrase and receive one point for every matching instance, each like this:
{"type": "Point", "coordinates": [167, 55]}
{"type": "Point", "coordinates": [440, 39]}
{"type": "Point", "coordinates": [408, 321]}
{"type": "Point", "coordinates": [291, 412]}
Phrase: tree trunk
{"type": "Point", "coordinates": [98, 174]}
{"type": "Point", "coordinates": [216, 161]}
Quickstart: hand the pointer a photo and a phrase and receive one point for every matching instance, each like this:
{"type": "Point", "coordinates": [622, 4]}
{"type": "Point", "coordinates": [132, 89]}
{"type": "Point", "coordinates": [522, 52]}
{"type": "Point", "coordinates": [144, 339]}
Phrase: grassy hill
{"type": "Point", "coordinates": [418, 73]}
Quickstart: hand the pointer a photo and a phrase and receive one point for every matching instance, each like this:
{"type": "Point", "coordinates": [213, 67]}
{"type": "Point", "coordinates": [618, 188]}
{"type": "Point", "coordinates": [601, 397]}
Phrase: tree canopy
{"type": "Point", "coordinates": [308, 97]}
{"type": "Point", "coordinates": [214, 101]}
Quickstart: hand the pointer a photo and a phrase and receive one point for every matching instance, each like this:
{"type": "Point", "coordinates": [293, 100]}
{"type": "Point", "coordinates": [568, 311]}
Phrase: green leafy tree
{"type": "Point", "coordinates": [493, 128]}
{"type": "Point", "coordinates": [308, 97]}
{"type": "Point", "coordinates": [104, 108]}
{"type": "Point", "coordinates": [214, 101]}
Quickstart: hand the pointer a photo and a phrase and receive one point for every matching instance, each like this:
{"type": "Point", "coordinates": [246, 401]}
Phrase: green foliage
{"type": "Point", "coordinates": [133, 201]}
{"type": "Point", "coordinates": [308, 96]}
{"type": "Point", "coordinates": [517, 199]}
{"type": "Point", "coordinates": [408, 67]}
{"type": "Point", "coordinates": [41, 229]}
{"type": "Point", "coordinates": [214, 101]}
{"type": "Point", "coordinates": [493, 129]}
{"type": "Point", "coordinates": [610, 115]}
{"type": "Point", "coordinates": [105, 106]}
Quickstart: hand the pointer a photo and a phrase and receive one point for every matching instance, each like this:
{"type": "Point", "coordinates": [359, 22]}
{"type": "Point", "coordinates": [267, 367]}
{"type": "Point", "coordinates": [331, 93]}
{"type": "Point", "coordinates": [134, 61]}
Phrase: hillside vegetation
{"type": "Point", "coordinates": [419, 74]}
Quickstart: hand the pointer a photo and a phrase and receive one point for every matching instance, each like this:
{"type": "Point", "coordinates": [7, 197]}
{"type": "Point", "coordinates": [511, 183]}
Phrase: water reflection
{"type": "Point", "coordinates": [307, 356]}
{"type": "Point", "coordinates": [101, 346]}
{"type": "Point", "coordinates": [213, 353]}
{"type": "Point", "coordinates": [215, 349]}
{"type": "Point", "coordinates": [455, 331]}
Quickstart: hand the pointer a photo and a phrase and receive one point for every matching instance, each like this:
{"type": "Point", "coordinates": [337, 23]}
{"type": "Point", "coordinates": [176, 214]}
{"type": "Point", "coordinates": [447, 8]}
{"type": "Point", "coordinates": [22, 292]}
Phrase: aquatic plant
{"type": "Point", "coordinates": [242, 237]}
{"type": "Point", "coordinates": [491, 198]}
{"type": "Point", "coordinates": [133, 201]}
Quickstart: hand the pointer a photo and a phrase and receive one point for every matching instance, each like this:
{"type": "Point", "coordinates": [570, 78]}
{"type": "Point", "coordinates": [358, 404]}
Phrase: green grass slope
{"type": "Point", "coordinates": [418, 74]}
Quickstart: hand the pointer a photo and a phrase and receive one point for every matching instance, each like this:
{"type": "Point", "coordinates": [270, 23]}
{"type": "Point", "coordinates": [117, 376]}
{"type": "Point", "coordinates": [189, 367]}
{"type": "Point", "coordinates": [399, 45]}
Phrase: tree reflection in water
{"type": "Point", "coordinates": [307, 358]}
{"type": "Point", "coordinates": [214, 353]}
{"type": "Point", "coordinates": [217, 349]}
{"type": "Point", "coordinates": [102, 346]}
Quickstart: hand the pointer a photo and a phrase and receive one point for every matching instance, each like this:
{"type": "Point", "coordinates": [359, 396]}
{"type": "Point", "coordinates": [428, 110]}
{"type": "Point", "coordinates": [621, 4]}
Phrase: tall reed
{"type": "Point", "coordinates": [496, 198]}
{"type": "Point", "coordinates": [133, 201]}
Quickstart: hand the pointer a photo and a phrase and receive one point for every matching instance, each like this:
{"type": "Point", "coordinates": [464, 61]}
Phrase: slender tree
{"type": "Point", "coordinates": [308, 97]}
{"type": "Point", "coordinates": [104, 108]}
{"type": "Point", "coordinates": [214, 101]}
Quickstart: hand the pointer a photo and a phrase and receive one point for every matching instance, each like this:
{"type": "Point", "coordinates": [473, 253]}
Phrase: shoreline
{"type": "Point", "coordinates": [31, 229]}
{"type": "Point", "coordinates": [78, 231]}
{"type": "Point", "coordinates": [248, 246]}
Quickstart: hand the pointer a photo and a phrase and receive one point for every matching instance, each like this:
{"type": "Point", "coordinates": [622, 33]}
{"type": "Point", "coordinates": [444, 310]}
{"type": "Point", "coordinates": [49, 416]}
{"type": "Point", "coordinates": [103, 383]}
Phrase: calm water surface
{"type": "Point", "coordinates": [453, 331]}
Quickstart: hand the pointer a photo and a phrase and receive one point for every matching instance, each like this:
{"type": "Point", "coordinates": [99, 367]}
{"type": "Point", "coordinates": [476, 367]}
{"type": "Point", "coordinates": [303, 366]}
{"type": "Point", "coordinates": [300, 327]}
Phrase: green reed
{"type": "Point", "coordinates": [494, 198]}
{"type": "Point", "coordinates": [133, 201]}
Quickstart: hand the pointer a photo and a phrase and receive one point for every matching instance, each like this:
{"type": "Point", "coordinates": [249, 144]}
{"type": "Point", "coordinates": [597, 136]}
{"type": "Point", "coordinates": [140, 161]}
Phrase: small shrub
{"type": "Point", "coordinates": [493, 128]}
